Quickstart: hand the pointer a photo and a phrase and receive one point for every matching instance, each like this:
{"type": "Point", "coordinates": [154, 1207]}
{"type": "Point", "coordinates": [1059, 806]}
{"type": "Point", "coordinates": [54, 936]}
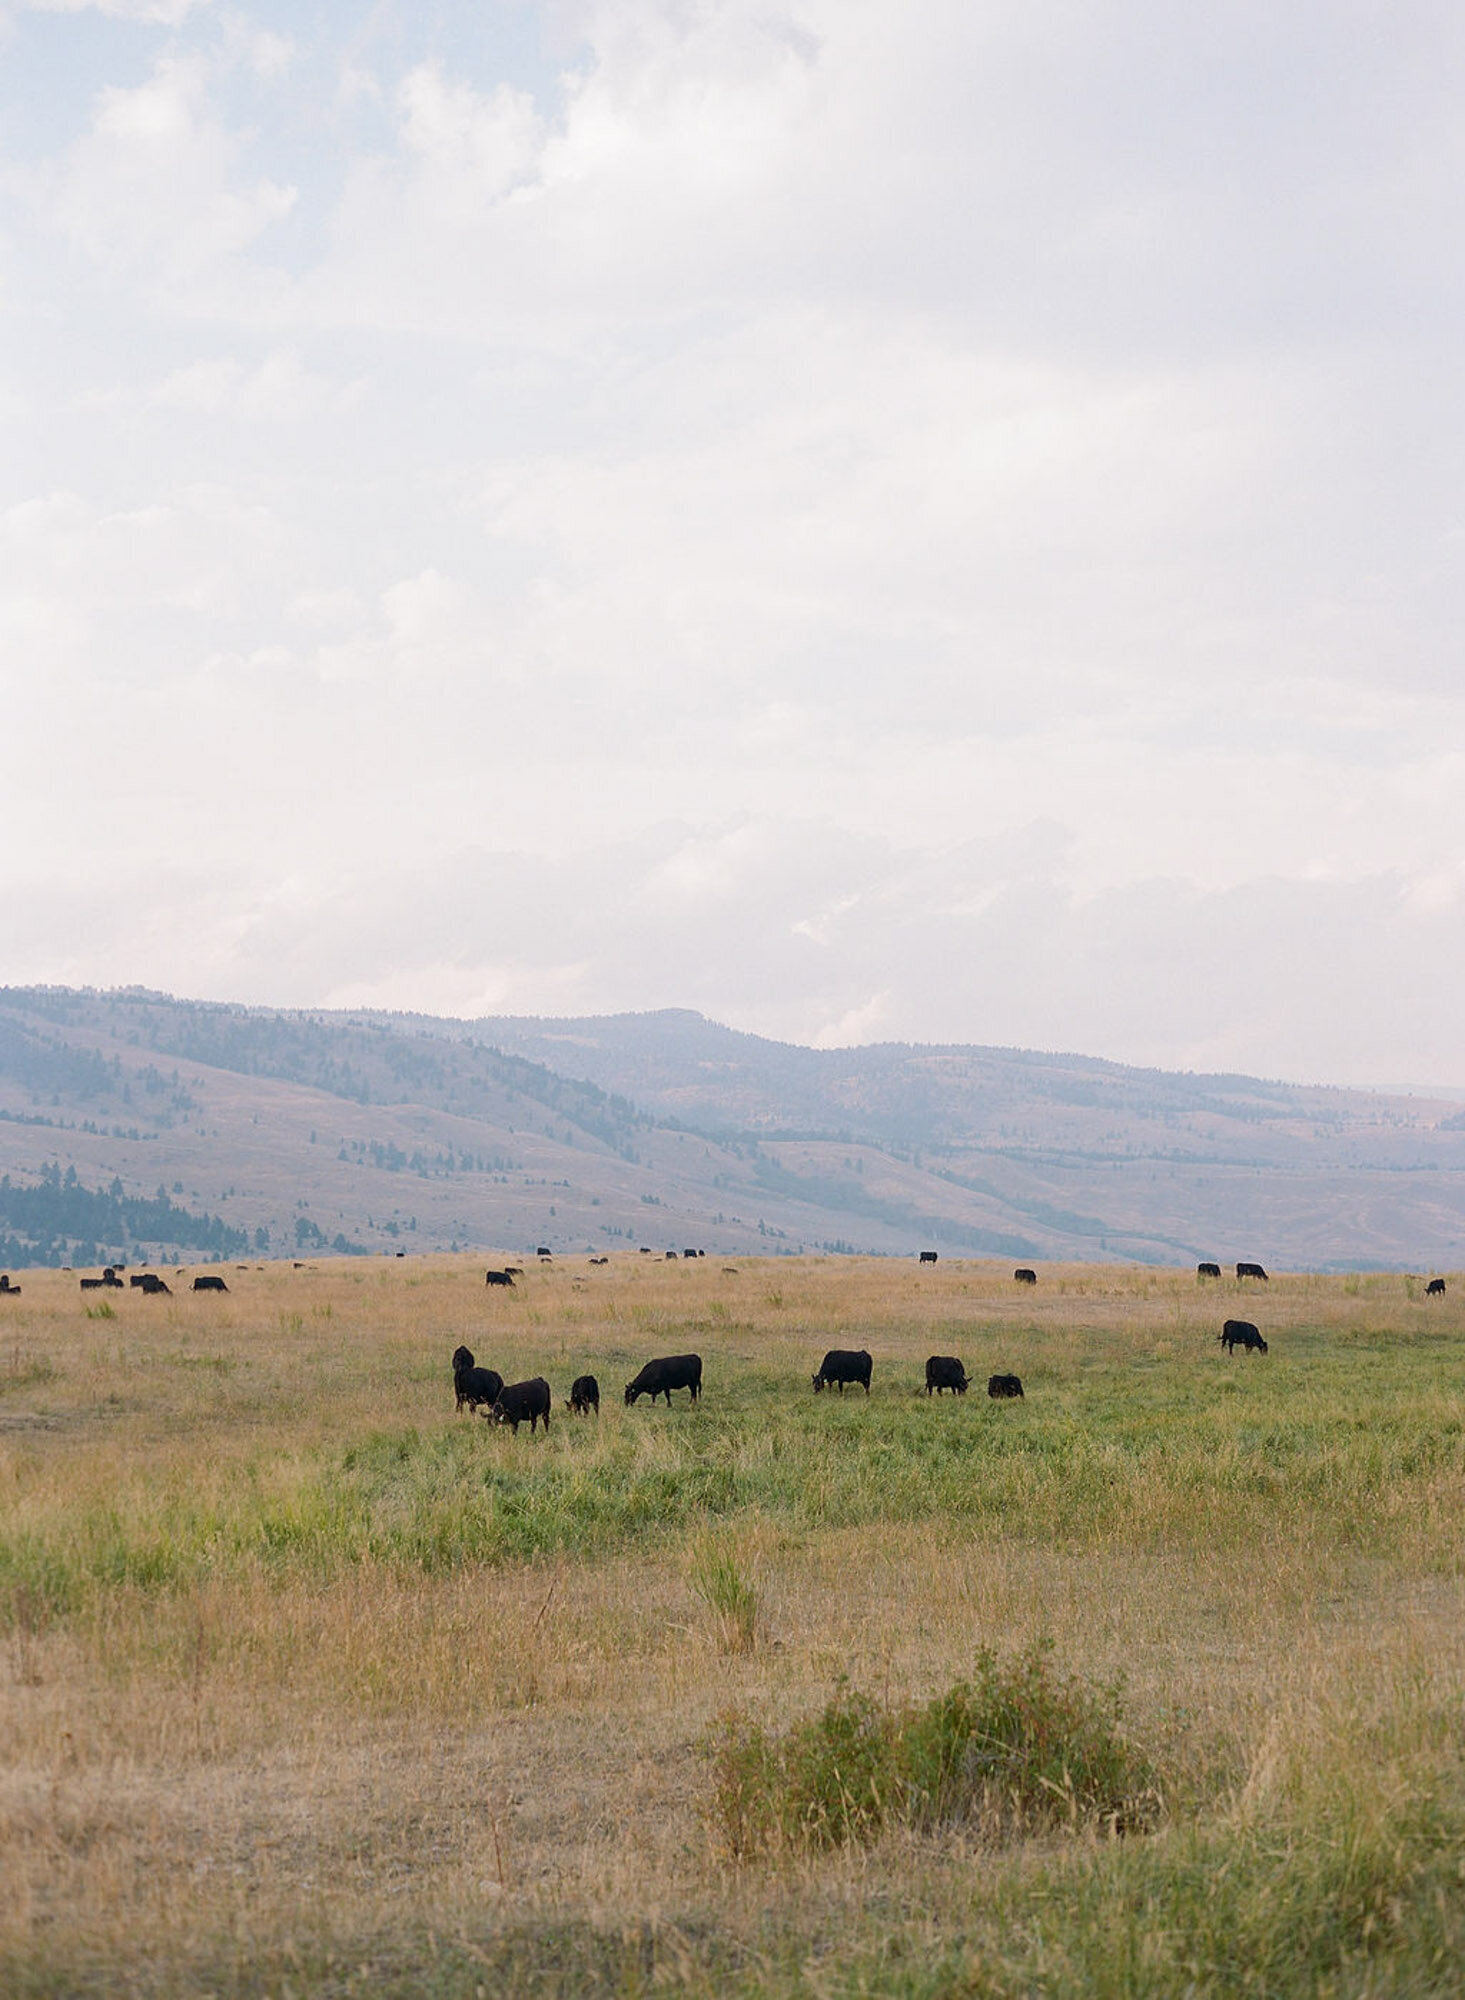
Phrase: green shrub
{"type": "Point", "coordinates": [1016, 1748]}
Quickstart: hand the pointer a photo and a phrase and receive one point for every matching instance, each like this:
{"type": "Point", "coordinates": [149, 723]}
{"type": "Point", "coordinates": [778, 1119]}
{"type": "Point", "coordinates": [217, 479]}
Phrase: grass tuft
{"type": "Point", "coordinates": [1017, 1748]}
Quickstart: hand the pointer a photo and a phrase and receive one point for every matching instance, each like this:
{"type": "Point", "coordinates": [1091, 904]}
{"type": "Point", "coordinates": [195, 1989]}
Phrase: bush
{"type": "Point", "coordinates": [1016, 1748]}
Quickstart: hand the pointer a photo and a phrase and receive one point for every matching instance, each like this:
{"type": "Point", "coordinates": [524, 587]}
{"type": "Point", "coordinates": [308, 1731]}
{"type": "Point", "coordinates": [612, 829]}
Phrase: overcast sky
{"type": "Point", "coordinates": [937, 521]}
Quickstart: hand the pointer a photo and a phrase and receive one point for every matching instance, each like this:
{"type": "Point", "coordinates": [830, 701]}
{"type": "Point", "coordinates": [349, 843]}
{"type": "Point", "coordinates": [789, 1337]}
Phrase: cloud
{"type": "Point", "coordinates": [866, 521]}
{"type": "Point", "coordinates": [150, 191]}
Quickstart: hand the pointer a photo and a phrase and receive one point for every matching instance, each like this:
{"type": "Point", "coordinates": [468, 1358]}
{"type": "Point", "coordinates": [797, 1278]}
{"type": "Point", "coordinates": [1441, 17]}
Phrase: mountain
{"type": "Point", "coordinates": [301, 1132]}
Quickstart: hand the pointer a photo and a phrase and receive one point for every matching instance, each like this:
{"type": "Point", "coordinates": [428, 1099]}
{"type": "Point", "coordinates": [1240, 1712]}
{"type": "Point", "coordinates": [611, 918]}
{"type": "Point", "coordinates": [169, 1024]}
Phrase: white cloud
{"type": "Point", "coordinates": [876, 521]}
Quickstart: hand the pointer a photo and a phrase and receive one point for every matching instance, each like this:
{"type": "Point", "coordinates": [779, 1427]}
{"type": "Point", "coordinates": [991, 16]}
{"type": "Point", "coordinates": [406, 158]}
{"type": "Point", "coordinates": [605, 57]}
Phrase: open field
{"type": "Point", "coordinates": [309, 1685]}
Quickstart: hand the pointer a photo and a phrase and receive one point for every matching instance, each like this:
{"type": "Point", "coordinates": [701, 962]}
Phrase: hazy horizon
{"type": "Point", "coordinates": [927, 525]}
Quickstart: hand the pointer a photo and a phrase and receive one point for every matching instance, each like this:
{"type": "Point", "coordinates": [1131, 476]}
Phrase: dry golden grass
{"type": "Point", "coordinates": [267, 1723]}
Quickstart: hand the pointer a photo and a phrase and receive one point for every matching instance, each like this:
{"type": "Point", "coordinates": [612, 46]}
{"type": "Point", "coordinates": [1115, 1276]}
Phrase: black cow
{"type": "Point", "coordinates": [1250, 1271]}
{"type": "Point", "coordinates": [518, 1401]}
{"type": "Point", "coordinates": [209, 1285]}
{"type": "Point", "coordinates": [928, 1256]}
{"type": "Point", "coordinates": [659, 1378]}
{"type": "Point", "coordinates": [672, 1255]}
{"type": "Point", "coordinates": [584, 1396]}
{"type": "Point", "coordinates": [498, 1277]}
{"type": "Point", "coordinates": [1435, 1289]}
{"type": "Point", "coordinates": [841, 1365]}
{"type": "Point", "coordinates": [999, 1386]}
{"type": "Point", "coordinates": [689, 1253]}
{"type": "Point", "coordinates": [92, 1284]}
{"type": "Point", "coordinates": [472, 1385]}
{"type": "Point", "coordinates": [111, 1279]}
{"type": "Point", "coordinates": [12, 1291]}
{"type": "Point", "coordinates": [944, 1371]}
{"type": "Point", "coordinates": [1241, 1333]}
{"type": "Point", "coordinates": [600, 1260]}
{"type": "Point", "coordinates": [152, 1286]}
{"type": "Point", "coordinates": [543, 1251]}
{"type": "Point", "coordinates": [1025, 1276]}
{"type": "Point", "coordinates": [1208, 1270]}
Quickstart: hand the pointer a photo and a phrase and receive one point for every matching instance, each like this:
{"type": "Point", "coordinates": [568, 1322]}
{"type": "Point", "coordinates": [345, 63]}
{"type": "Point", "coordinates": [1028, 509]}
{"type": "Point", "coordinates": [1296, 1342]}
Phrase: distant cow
{"type": "Point", "coordinates": [13, 1291]}
{"type": "Point", "coordinates": [207, 1284]}
{"type": "Point", "coordinates": [543, 1251]}
{"type": "Point", "coordinates": [1434, 1289]}
{"type": "Point", "coordinates": [473, 1385]}
{"type": "Point", "coordinates": [672, 1256]}
{"type": "Point", "coordinates": [1208, 1270]}
{"type": "Point", "coordinates": [92, 1284]}
{"type": "Point", "coordinates": [600, 1260]}
{"type": "Point", "coordinates": [110, 1277]}
{"type": "Point", "coordinates": [152, 1286]}
{"type": "Point", "coordinates": [521, 1401]}
{"type": "Point", "coordinates": [944, 1371]}
{"type": "Point", "coordinates": [1250, 1271]}
{"type": "Point", "coordinates": [1000, 1386]}
{"type": "Point", "coordinates": [1241, 1333]}
{"type": "Point", "coordinates": [1025, 1276]}
{"type": "Point", "coordinates": [841, 1365]}
{"type": "Point", "coordinates": [584, 1396]}
{"type": "Point", "coordinates": [659, 1378]}
{"type": "Point", "coordinates": [689, 1253]}
{"type": "Point", "coordinates": [928, 1256]}
{"type": "Point", "coordinates": [498, 1277]}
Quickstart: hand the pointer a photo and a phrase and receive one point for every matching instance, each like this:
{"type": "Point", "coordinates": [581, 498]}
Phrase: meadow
{"type": "Point", "coordinates": [311, 1685]}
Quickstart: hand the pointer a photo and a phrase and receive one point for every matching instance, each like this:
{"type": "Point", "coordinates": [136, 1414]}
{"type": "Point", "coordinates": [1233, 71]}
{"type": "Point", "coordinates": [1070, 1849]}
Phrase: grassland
{"type": "Point", "coordinates": [308, 1685]}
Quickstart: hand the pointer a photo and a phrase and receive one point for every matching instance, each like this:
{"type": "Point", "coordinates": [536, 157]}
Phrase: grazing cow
{"type": "Point", "coordinates": [1435, 1289]}
{"type": "Point", "coordinates": [1241, 1333]}
{"type": "Point", "coordinates": [600, 1260]}
{"type": "Point", "coordinates": [518, 1401]}
{"type": "Point", "coordinates": [472, 1385]}
{"type": "Point", "coordinates": [152, 1286]}
{"type": "Point", "coordinates": [644, 1251]}
{"type": "Point", "coordinates": [689, 1253]}
{"type": "Point", "coordinates": [543, 1251]}
{"type": "Point", "coordinates": [841, 1365]}
{"type": "Point", "coordinates": [1000, 1386]}
{"type": "Point", "coordinates": [944, 1371]}
{"type": "Point", "coordinates": [659, 1378]}
{"type": "Point", "coordinates": [584, 1396]}
{"type": "Point", "coordinates": [1025, 1276]}
{"type": "Point", "coordinates": [92, 1284]}
{"type": "Point", "coordinates": [928, 1256]}
{"type": "Point", "coordinates": [1208, 1270]}
{"type": "Point", "coordinates": [13, 1291]}
{"type": "Point", "coordinates": [111, 1279]}
{"type": "Point", "coordinates": [209, 1285]}
{"type": "Point", "coordinates": [672, 1256]}
{"type": "Point", "coordinates": [498, 1277]}
{"type": "Point", "coordinates": [1250, 1271]}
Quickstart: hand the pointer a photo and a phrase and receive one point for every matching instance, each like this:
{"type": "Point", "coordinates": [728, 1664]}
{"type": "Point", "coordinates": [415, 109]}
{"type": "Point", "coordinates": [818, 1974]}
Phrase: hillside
{"type": "Point", "coordinates": [304, 1131]}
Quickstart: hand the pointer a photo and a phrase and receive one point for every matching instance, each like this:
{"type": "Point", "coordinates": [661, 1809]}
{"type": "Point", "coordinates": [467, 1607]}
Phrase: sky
{"type": "Point", "coordinates": [938, 521]}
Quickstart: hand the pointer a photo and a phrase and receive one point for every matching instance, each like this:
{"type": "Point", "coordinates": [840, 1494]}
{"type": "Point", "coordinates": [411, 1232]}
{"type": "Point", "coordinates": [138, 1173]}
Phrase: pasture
{"type": "Point", "coordinates": [309, 1685]}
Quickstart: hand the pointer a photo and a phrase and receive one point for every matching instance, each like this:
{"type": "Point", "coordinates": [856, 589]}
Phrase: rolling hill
{"type": "Point", "coordinates": [300, 1132]}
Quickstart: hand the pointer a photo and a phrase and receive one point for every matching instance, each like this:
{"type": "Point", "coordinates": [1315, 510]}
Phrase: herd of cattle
{"type": "Point", "coordinates": [514, 1403]}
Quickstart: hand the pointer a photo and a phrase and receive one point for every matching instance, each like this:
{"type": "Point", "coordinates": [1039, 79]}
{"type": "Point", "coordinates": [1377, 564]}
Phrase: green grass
{"type": "Point", "coordinates": [1358, 1450]}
